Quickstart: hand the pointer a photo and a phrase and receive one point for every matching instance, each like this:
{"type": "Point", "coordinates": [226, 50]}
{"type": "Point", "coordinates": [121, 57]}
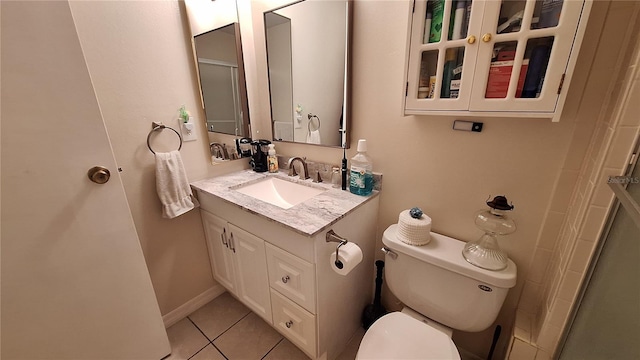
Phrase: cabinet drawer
{"type": "Point", "coordinates": [292, 276]}
{"type": "Point", "coordinates": [294, 322]}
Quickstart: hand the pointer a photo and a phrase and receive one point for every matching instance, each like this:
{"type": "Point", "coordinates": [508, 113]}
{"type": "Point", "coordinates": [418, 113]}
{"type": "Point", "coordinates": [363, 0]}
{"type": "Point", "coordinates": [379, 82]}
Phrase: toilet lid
{"type": "Point", "coordinates": [399, 336]}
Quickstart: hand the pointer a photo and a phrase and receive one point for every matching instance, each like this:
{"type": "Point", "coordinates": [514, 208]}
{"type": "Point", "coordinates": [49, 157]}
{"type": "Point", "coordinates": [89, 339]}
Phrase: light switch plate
{"type": "Point", "coordinates": [188, 129]}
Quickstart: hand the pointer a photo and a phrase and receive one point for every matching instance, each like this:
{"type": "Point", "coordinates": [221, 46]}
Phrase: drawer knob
{"type": "Point", "coordinates": [471, 39]}
{"type": "Point", "coordinates": [486, 37]}
{"type": "Point", "coordinates": [289, 324]}
{"type": "Point", "coordinates": [285, 279]}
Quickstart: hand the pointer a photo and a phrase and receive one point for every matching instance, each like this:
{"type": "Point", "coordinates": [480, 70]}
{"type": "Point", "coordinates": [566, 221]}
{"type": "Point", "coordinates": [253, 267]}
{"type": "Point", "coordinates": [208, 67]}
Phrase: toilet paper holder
{"type": "Point", "coordinates": [333, 237]}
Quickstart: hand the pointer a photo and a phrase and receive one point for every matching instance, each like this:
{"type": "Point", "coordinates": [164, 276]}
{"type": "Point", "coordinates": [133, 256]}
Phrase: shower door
{"type": "Point", "coordinates": [607, 320]}
{"type": "Point", "coordinates": [221, 96]}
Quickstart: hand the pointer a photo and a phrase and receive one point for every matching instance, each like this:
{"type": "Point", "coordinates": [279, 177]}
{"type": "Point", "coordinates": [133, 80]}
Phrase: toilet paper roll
{"type": "Point", "coordinates": [349, 254]}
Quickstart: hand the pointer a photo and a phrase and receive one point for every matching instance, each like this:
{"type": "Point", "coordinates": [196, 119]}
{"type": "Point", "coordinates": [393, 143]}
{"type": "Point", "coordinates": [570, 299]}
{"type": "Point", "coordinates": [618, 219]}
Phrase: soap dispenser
{"type": "Point", "coordinates": [272, 159]}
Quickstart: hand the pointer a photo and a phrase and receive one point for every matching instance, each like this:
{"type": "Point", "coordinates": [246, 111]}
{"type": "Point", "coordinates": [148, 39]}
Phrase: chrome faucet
{"type": "Point", "coordinates": [219, 149]}
{"type": "Point", "coordinates": [292, 169]}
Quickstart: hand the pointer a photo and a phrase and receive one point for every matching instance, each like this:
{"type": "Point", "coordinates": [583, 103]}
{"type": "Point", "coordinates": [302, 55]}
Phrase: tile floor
{"type": "Point", "coordinates": [226, 329]}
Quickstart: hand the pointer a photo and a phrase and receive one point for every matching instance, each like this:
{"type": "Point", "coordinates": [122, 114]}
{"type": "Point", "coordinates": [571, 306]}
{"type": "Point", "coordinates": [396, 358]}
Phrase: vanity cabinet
{"type": "Point", "coordinates": [492, 58]}
{"type": "Point", "coordinates": [285, 274]}
{"type": "Point", "coordinates": [238, 263]}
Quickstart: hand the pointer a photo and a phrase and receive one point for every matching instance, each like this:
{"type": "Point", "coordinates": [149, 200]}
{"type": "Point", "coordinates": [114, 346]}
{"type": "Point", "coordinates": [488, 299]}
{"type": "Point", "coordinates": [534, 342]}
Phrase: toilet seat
{"type": "Point", "coordinates": [399, 336]}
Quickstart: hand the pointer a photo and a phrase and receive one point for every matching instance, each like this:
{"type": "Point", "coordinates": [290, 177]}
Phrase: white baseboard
{"type": "Point", "coordinates": [192, 305]}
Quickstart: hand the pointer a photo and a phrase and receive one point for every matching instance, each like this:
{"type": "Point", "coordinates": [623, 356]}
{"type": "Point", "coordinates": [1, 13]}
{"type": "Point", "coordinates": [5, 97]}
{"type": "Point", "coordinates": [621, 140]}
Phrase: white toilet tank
{"type": "Point", "coordinates": [436, 281]}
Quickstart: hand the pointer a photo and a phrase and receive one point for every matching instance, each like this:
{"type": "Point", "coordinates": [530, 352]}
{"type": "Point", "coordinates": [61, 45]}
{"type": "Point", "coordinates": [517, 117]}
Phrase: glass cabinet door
{"type": "Point", "coordinates": [443, 54]}
{"type": "Point", "coordinates": [523, 52]}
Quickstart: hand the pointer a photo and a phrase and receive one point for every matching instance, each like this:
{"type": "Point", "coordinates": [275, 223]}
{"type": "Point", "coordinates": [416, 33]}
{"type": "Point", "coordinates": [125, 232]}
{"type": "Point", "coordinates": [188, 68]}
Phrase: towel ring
{"type": "Point", "coordinates": [311, 117]}
{"type": "Point", "coordinates": [159, 126]}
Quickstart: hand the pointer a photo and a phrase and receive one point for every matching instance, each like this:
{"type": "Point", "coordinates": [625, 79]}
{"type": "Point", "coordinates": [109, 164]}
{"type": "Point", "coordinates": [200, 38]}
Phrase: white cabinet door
{"type": "Point", "coordinates": [250, 265]}
{"type": "Point", "coordinates": [220, 254]}
{"type": "Point", "coordinates": [536, 53]}
{"type": "Point", "coordinates": [433, 62]}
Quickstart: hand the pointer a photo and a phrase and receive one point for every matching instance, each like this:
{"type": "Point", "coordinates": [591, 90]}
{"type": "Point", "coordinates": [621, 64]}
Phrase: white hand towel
{"type": "Point", "coordinates": [313, 137]}
{"type": "Point", "coordinates": [172, 185]}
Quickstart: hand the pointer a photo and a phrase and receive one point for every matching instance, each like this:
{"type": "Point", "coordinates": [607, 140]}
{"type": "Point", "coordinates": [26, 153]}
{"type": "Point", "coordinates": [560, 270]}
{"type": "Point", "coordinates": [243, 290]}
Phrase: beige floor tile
{"type": "Point", "coordinates": [208, 353]}
{"type": "Point", "coordinates": [286, 350]}
{"type": "Point", "coordinates": [185, 340]}
{"type": "Point", "coordinates": [219, 315]}
{"type": "Point", "coordinates": [251, 338]}
{"type": "Point", "coordinates": [351, 350]}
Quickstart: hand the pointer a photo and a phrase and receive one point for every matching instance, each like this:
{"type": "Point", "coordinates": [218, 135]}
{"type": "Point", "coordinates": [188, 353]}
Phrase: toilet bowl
{"type": "Point", "coordinates": [441, 292]}
{"type": "Point", "coordinates": [398, 335]}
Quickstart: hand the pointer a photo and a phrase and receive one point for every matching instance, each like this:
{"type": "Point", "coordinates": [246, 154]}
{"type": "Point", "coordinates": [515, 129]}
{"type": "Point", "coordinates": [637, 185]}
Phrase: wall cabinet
{"type": "Point", "coordinates": [492, 58]}
{"type": "Point", "coordinates": [285, 276]}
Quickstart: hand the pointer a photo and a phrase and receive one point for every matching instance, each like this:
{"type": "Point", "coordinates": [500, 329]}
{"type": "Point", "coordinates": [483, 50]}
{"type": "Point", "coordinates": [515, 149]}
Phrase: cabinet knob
{"type": "Point", "coordinates": [471, 39]}
{"type": "Point", "coordinates": [285, 279]}
{"type": "Point", "coordinates": [486, 37]}
{"type": "Point", "coordinates": [289, 324]}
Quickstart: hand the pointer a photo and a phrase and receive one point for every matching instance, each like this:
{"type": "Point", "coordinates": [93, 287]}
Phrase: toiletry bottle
{"type": "Point", "coordinates": [272, 159]}
{"type": "Point", "coordinates": [336, 177]}
{"type": "Point", "coordinates": [361, 174]}
{"type": "Point", "coordinates": [456, 21]}
{"type": "Point", "coordinates": [427, 26]}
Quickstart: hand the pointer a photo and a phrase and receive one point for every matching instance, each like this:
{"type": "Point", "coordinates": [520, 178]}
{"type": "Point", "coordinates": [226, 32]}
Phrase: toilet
{"type": "Point", "coordinates": [441, 292]}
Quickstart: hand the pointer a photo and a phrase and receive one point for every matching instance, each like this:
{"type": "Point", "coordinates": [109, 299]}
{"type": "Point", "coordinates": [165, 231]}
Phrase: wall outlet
{"type": "Point", "coordinates": [187, 129]}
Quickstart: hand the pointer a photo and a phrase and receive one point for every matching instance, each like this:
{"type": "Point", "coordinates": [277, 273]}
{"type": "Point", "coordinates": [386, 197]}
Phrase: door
{"type": "Point", "coordinates": [219, 252]}
{"type": "Point", "coordinates": [441, 62]}
{"type": "Point", "coordinates": [523, 53]}
{"type": "Point", "coordinates": [607, 319]}
{"type": "Point", "coordinates": [74, 280]}
{"type": "Point", "coordinates": [251, 271]}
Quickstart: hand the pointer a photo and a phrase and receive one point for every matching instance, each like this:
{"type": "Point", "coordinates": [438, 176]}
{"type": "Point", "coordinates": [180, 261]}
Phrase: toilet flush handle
{"type": "Point", "coordinates": [389, 252]}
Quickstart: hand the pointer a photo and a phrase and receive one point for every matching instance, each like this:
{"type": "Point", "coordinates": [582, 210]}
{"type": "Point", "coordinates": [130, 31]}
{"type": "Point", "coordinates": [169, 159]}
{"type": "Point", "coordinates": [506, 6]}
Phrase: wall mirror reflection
{"type": "Point", "coordinates": [307, 59]}
{"type": "Point", "coordinates": [222, 80]}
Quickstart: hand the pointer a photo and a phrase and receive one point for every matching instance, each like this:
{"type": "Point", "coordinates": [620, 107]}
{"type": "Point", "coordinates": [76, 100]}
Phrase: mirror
{"type": "Point", "coordinates": [308, 68]}
{"type": "Point", "coordinates": [222, 82]}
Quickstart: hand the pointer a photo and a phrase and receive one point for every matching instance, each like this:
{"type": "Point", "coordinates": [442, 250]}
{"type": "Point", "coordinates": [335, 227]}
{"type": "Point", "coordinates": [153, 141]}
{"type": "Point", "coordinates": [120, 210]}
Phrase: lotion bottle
{"type": "Point", "coordinates": [272, 159]}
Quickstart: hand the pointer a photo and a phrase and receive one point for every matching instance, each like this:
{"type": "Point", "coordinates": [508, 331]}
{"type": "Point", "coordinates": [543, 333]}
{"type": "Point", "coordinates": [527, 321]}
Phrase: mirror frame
{"type": "Point", "coordinates": [242, 86]}
{"type": "Point", "coordinates": [347, 96]}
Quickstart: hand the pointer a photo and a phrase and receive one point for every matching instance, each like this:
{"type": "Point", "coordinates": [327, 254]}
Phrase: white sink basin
{"type": "Point", "coordinates": [279, 192]}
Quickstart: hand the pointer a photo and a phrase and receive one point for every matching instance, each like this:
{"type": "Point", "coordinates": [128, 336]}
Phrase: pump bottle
{"type": "Point", "coordinates": [272, 159]}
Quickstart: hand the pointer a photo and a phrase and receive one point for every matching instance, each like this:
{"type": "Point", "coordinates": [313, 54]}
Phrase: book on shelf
{"type": "Point", "coordinates": [499, 77]}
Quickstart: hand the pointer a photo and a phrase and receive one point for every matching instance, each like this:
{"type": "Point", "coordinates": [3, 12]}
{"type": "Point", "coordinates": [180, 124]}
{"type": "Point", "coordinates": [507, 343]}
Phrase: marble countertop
{"type": "Point", "coordinates": [307, 218]}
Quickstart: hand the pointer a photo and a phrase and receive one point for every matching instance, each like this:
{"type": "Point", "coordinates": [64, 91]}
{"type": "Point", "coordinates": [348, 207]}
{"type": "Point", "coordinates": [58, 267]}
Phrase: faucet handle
{"type": "Point", "coordinates": [318, 177]}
